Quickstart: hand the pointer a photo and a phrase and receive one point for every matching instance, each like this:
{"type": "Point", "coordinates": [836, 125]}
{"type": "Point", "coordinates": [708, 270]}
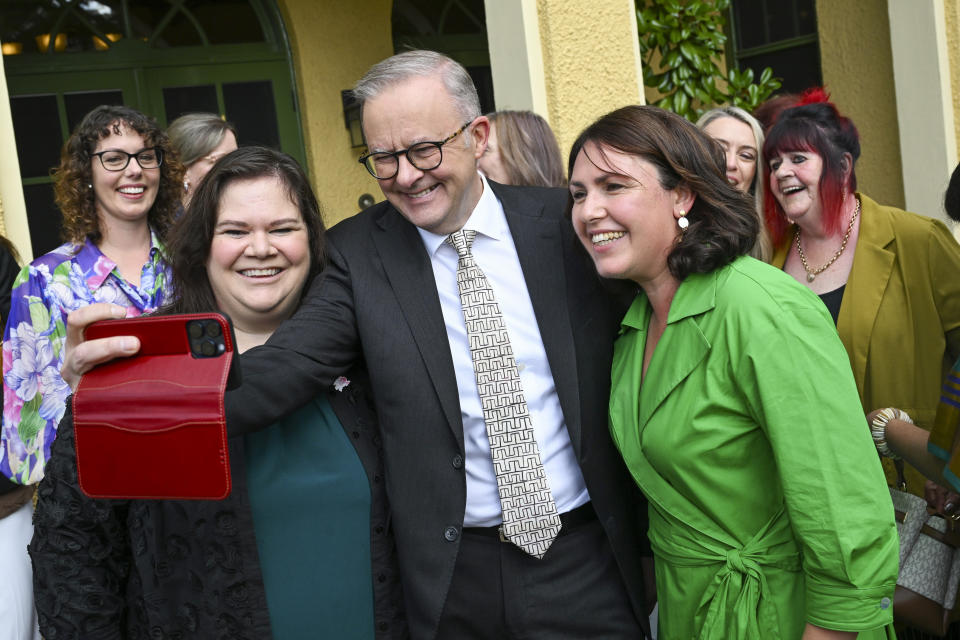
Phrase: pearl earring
{"type": "Point", "coordinates": [89, 185]}
{"type": "Point", "coordinates": [682, 221]}
{"type": "Point", "coordinates": [186, 185]}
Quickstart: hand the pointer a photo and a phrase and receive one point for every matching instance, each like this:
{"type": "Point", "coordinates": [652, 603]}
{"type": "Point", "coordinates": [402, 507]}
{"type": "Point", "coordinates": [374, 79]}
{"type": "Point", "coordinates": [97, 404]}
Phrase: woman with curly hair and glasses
{"type": "Point", "coordinates": [117, 186]}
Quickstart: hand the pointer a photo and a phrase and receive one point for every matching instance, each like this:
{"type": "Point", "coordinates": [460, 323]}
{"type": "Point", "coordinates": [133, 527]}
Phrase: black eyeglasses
{"type": "Point", "coordinates": [425, 156]}
{"type": "Point", "coordinates": [116, 160]}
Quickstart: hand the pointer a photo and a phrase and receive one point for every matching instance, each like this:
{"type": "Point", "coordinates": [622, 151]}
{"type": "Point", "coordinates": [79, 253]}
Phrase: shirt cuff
{"type": "Point", "coordinates": [850, 609]}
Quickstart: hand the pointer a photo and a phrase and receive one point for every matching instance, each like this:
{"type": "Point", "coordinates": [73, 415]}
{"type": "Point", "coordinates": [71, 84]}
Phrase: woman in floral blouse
{"type": "Point", "coordinates": [117, 186]}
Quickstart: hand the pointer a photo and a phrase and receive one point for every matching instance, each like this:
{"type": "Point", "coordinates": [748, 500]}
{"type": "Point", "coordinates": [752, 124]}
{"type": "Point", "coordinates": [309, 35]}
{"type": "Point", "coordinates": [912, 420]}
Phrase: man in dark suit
{"type": "Point", "coordinates": [390, 297]}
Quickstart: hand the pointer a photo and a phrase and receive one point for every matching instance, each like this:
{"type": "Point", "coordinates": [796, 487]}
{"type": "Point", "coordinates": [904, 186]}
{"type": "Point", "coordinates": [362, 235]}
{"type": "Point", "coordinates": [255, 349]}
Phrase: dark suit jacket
{"type": "Point", "coordinates": [378, 301]}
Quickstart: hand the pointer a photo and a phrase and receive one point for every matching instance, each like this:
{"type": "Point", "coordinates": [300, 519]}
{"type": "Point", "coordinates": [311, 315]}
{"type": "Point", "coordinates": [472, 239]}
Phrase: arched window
{"type": "Point", "coordinates": [164, 57]}
{"type": "Point", "coordinates": [457, 28]}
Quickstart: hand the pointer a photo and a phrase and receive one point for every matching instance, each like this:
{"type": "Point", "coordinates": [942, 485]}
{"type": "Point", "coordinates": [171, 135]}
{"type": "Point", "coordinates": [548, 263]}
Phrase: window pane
{"type": "Point", "coordinates": [251, 109]}
{"type": "Point", "coordinates": [180, 100]}
{"type": "Point", "coordinates": [798, 66]}
{"type": "Point", "coordinates": [145, 14]}
{"type": "Point", "coordinates": [43, 218]}
{"type": "Point", "coordinates": [222, 21]}
{"type": "Point", "coordinates": [37, 127]}
{"type": "Point", "coordinates": [806, 17]}
{"type": "Point", "coordinates": [483, 80]}
{"type": "Point", "coordinates": [227, 21]}
{"type": "Point", "coordinates": [748, 15]}
{"type": "Point", "coordinates": [20, 20]}
{"type": "Point", "coordinates": [81, 103]}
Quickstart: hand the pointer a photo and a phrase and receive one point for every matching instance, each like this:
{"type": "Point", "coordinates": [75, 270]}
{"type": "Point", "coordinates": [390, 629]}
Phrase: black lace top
{"type": "Point", "coordinates": [157, 569]}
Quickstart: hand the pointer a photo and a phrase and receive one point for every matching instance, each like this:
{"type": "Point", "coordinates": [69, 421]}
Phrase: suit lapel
{"type": "Point", "coordinates": [539, 243]}
{"type": "Point", "coordinates": [408, 269]}
{"type": "Point", "coordinates": [872, 265]}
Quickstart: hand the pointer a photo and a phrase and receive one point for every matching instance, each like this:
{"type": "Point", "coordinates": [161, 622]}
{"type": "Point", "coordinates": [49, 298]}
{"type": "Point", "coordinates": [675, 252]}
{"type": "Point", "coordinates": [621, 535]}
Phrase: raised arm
{"type": "Point", "coordinates": [302, 358]}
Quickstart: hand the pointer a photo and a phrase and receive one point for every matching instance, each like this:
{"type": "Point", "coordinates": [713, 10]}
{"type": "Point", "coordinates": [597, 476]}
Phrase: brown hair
{"type": "Point", "coordinates": [528, 149]}
{"type": "Point", "coordinates": [72, 178]}
{"type": "Point", "coordinates": [723, 224]}
{"type": "Point", "coordinates": [194, 135]}
{"type": "Point", "coordinates": [192, 235]}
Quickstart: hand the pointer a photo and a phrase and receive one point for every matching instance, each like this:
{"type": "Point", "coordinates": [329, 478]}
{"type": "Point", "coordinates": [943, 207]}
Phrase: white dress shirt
{"type": "Point", "coordinates": [495, 253]}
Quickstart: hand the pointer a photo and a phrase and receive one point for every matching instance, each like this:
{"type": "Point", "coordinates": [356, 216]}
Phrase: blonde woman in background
{"type": "Point", "coordinates": [741, 137]}
{"type": "Point", "coordinates": [522, 150]}
{"type": "Point", "coordinates": [200, 139]}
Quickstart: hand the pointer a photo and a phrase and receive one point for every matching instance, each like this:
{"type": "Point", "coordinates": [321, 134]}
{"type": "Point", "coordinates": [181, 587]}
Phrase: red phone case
{"type": "Point", "coordinates": [153, 426]}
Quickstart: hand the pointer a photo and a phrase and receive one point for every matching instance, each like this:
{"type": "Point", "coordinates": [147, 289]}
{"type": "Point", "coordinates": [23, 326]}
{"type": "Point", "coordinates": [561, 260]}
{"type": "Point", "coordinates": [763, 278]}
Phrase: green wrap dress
{"type": "Point", "coordinates": [768, 504]}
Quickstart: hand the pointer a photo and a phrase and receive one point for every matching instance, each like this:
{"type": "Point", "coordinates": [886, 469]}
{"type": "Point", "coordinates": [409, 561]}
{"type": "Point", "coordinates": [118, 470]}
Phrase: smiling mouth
{"type": "Point", "coordinates": [132, 191]}
{"type": "Point", "coordinates": [260, 273]}
{"type": "Point", "coordinates": [424, 192]}
{"type": "Point", "coordinates": [601, 239]}
{"type": "Point", "coordinates": [789, 191]}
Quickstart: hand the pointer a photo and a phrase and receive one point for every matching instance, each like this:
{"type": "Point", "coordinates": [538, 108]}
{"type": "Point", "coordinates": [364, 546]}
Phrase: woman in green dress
{"type": "Point", "coordinates": [732, 401]}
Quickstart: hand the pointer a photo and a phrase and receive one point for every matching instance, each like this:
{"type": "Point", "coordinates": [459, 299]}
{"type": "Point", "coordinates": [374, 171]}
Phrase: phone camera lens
{"type": "Point", "coordinates": [213, 329]}
{"type": "Point", "coordinates": [195, 330]}
{"type": "Point", "coordinates": [208, 348]}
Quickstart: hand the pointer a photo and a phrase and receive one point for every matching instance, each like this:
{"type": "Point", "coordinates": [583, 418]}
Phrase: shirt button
{"type": "Point", "coordinates": [450, 534]}
{"type": "Point", "coordinates": [885, 603]}
{"type": "Point", "coordinates": [457, 461]}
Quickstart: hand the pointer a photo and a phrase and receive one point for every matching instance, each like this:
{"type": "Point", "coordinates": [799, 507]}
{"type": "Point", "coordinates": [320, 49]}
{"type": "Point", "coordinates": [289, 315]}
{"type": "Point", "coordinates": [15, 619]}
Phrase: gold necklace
{"type": "Point", "coordinates": [843, 245]}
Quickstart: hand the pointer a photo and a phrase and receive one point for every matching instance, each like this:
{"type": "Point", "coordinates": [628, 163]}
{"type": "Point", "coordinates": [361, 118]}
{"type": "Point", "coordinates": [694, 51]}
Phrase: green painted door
{"type": "Point", "coordinates": [163, 57]}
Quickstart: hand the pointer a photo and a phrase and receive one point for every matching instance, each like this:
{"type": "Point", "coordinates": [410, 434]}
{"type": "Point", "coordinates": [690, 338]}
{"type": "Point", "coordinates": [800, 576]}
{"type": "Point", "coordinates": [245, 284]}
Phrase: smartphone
{"type": "Point", "coordinates": [152, 426]}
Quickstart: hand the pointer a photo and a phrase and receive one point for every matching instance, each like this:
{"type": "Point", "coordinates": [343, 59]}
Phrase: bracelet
{"type": "Point", "coordinates": [878, 429]}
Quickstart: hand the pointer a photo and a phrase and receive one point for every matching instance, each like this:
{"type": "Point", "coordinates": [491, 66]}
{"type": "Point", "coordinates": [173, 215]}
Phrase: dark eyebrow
{"type": "Point", "coordinates": [135, 153]}
{"type": "Point", "coordinates": [236, 223]}
{"type": "Point", "coordinates": [283, 221]}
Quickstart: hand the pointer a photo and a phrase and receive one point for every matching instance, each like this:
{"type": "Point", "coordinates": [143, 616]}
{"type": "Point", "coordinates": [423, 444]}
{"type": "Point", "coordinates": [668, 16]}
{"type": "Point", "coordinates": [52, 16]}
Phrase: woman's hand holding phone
{"type": "Point", "coordinates": [82, 355]}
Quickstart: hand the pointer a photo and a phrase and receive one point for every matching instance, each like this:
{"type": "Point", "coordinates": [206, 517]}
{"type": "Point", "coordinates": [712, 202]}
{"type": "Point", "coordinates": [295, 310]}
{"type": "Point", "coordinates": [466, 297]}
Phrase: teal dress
{"type": "Point", "coordinates": [768, 505]}
{"type": "Point", "coordinates": [310, 499]}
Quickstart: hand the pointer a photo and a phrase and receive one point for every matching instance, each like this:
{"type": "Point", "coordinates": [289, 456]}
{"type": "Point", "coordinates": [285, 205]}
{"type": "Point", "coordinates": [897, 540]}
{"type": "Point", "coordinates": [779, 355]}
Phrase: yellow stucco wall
{"type": "Point", "coordinates": [951, 12]}
{"type": "Point", "coordinates": [591, 62]}
{"type": "Point", "coordinates": [333, 43]}
{"type": "Point", "coordinates": [857, 66]}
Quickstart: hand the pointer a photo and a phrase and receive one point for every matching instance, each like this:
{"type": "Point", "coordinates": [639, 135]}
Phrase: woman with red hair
{"type": "Point", "coordinates": [888, 277]}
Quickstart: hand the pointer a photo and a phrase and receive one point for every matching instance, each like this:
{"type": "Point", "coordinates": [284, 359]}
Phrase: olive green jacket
{"type": "Point", "coordinates": [900, 316]}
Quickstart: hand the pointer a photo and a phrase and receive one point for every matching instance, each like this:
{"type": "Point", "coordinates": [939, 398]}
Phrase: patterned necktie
{"type": "Point", "coordinates": [530, 519]}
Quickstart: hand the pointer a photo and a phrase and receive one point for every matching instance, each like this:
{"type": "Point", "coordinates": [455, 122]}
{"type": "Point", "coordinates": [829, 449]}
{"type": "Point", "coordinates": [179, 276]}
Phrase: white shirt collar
{"type": "Point", "coordinates": [486, 219]}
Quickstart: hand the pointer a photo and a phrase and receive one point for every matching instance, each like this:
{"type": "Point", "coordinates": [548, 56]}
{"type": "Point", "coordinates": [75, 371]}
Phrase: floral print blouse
{"type": "Point", "coordinates": [34, 395]}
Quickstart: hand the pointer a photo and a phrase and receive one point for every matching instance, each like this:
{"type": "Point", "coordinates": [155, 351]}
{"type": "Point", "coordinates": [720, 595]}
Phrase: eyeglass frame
{"type": "Point", "coordinates": [156, 150]}
{"type": "Point", "coordinates": [406, 152]}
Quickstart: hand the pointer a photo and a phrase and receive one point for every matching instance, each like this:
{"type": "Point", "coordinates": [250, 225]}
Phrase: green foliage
{"type": "Point", "coordinates": [682, 42]}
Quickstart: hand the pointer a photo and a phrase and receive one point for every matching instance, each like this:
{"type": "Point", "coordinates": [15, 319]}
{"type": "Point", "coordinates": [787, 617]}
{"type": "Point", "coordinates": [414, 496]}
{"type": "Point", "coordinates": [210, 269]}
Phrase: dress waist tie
{"type": "Point", "coordinates": [737, 603]}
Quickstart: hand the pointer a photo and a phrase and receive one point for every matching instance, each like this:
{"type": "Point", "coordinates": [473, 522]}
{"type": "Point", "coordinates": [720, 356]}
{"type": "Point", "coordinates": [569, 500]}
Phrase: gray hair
{"type": "Point", "coordinates": [763, 249]}
{"type": "Point", "coordinates": [194, 135]}
{"type": "Point", "coordinates": [420, 63]}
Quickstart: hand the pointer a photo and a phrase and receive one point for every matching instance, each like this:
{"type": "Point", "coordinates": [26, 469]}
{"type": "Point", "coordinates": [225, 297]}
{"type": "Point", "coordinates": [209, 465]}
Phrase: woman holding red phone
{"type": "Point", "coordinates": [301, 547]}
